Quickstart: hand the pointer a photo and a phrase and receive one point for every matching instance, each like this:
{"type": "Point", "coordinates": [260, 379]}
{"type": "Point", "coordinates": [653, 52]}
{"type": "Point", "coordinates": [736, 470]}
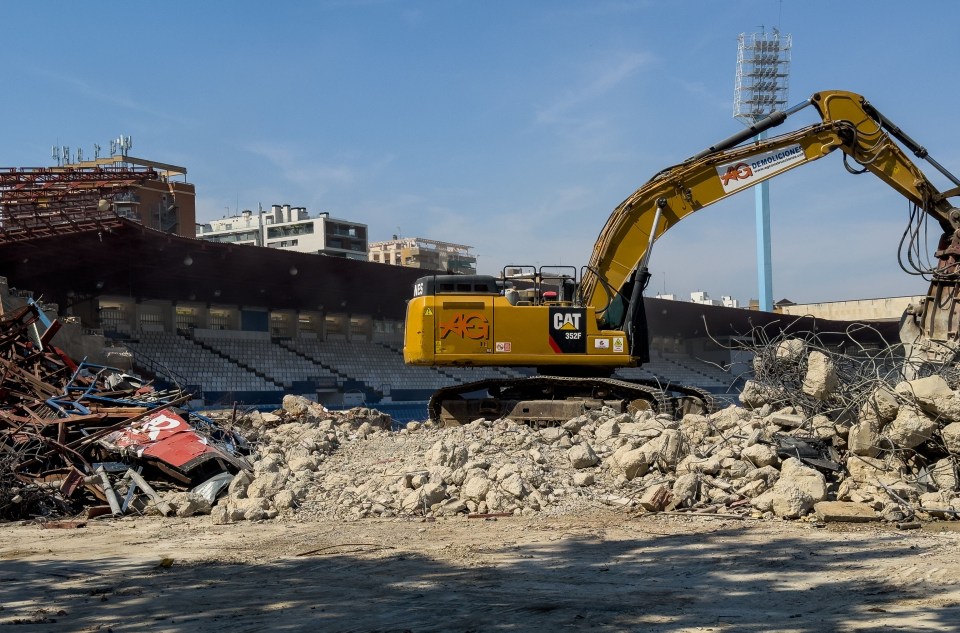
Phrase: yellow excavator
{"type": "Point", "coordinates": [577, 330]}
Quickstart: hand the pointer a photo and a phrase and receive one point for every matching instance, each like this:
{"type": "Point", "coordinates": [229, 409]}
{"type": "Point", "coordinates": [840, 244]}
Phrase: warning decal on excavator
{"type": "Point", "coordinates": [568, 330]}
{"type": "Point", "coordinates": [428, 312]}
{"type": "Point", "coordinates": [750, 170]}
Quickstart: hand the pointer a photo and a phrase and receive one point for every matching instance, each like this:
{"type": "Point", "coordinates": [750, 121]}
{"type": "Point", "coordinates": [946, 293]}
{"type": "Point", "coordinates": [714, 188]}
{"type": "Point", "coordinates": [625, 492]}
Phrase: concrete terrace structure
{"type": "Point", "coordinates": [885, 309]}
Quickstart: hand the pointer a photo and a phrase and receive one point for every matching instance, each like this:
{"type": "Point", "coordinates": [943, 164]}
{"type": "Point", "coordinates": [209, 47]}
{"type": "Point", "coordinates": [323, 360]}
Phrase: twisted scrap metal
{"type": "Point", "coordinates": [861, 368]}
{"type": "Point", "coordinates": [862, 371]}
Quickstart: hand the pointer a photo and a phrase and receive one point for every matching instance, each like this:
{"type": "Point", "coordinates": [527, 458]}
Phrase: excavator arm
{"type": "Point", "coordinates": [614, 279]}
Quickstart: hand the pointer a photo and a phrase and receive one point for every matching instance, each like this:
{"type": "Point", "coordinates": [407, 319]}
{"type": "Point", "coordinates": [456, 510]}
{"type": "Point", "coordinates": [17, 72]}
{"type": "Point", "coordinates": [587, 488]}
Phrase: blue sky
{"type": "Point", "coordinates": [511, 126]}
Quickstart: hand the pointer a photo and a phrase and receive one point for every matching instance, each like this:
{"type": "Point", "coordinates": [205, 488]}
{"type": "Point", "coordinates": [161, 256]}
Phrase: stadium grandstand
{"type": "Point", "coordinates": [237, 323]}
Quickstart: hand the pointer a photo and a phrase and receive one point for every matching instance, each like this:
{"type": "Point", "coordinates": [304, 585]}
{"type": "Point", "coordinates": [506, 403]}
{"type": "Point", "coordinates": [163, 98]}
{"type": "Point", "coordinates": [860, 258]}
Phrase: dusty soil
{"type": "Point", "coordinates": [604, 570]}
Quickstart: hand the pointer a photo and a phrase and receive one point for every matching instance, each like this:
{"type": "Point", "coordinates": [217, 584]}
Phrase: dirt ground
{"type": "Point", "coordinates": [607, 571]}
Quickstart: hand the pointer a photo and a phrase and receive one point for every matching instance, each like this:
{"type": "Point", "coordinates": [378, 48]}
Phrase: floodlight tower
{"type": "Point", "coordinates": [763, 68]}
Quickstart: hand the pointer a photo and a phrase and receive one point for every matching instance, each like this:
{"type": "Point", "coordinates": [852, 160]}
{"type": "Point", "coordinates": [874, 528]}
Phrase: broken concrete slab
{"type": "Point", "coordinates": [845, 512]}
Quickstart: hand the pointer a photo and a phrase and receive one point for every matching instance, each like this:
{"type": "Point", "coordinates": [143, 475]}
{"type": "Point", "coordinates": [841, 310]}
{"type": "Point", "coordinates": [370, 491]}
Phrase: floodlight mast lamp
{"type": "Point", "coordinates": [763, 73]}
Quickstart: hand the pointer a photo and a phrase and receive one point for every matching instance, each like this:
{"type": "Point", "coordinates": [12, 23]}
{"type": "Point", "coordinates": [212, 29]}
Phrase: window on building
{"type": "Point", "coordinates": [150, 318]}
{"type": "Point", "coordinates": [186, 318]}
{"type": "Point", "coordinates": [111, 317]}
{"type": "Point", "coordinates": [308, 324]}
{"type": "Point", "coordinates": [218, 319]}
{"type": "Point", "coordinates": [290, 229]}
{"type": "Point", "coordinates": [281, 324]}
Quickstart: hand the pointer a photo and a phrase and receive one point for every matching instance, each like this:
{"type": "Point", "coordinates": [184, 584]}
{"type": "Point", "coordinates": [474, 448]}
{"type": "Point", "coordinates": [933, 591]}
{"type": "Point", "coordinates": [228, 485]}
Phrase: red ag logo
{"type": "Point", "coordinates": [736, 172]}
{"type": "Point", "coordinates": [473, 326]}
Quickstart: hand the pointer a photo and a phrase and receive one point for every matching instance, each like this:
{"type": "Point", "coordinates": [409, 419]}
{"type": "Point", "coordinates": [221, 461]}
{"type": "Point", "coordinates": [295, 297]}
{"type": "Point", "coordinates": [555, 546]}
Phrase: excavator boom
{"type": "Point", "coordinates": [849, 124]}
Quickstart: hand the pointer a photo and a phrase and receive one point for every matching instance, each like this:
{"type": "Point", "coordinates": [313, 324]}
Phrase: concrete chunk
{"type": "Point", "coordinates": [821, 379]}
{"type": "Point", "coordinates": [656, 498]}
{"type": "Point", "coordinates": [786, 420]}
{"type": "Point", "coordinates": [910, 428]}
{"type": "Point", "coordinates": [845, 512]}
{"type": "Point", "coordinates": [791, 350]}
{"type": "Point", "coordinates": [582, 456]}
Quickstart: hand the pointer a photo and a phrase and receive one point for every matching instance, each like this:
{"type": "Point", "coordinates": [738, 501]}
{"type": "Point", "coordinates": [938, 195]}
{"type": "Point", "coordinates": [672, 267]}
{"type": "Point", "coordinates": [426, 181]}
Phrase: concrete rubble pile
{"type": "Point", "coordinates": [313, 465]}
{"type": "Point", "coordinates": [886, 452]}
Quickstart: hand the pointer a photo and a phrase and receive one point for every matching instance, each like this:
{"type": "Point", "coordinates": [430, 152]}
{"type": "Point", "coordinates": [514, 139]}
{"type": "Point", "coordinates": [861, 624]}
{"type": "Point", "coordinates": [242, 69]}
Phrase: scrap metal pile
{"type": "Point", "coordinates": [74, 435]}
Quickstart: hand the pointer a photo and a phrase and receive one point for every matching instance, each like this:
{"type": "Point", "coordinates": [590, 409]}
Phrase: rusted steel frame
{"type": "Point", "coordinates": [171, 472]}
{"type": "Point", "coordinates": [76, 219]}
{"type": "Point", "coordinates": [32, 417]}
{"type": "Point", "coordinates": [73, 419]}
{"type": "Point", "coordinates": [58, 448]}
{"type": "Point", "coordinates": [13, 327]}
{"type": "Point", "coordinates": [29, 199]}
{"type": "Point", "coordinates": [23, 423]}
{"type": "Point", "coordinates": [61, 210]}
{"type": "Point", "coordinates": [41, 387]}
{"type": "Point", "coordinates": [31, 176]}
{"type": "Point", "coordinates": [79, 419]}
{"type": "Point", "coordinates": [95, 408]}
{"type": "Point", "coordinates": [50, 194]}
{"type": "Point", "coordinates": [3, 374]}
{"type": "Point", "coordinates": [25, 402]}
{"type": "Point", "coordinates": [71, 482]}
{"type": "Point", "coordinates": [14, 234]}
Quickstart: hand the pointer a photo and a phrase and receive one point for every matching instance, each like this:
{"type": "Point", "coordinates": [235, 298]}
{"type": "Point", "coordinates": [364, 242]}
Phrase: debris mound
{"type": "Point", "coordinates": [820, 435]}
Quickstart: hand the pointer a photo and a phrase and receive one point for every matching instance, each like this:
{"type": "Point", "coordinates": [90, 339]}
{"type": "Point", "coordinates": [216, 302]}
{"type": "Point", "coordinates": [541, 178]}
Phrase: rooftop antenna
{"type": "Point", "coordinates": [763, 72]}
{"type": "Point", "coordinates": [121, 145]}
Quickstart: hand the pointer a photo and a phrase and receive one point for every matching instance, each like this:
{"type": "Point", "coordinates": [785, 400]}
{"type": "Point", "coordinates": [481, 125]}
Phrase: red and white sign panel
{"type": "Point", "coordinates": [165, 436]}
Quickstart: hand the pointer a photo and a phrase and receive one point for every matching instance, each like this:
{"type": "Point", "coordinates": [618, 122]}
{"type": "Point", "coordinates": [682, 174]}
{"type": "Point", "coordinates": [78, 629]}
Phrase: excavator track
{"type": "Point", "coordinates": [554, 399]}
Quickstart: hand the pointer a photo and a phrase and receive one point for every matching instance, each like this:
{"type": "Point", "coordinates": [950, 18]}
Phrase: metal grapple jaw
{"type": "Point", "coordinates": [930, 329]}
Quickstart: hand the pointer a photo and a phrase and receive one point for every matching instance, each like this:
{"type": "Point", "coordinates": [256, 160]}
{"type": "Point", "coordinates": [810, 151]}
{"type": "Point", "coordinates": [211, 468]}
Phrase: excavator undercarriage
{"type": "Point", "coordinates": [546, 400]}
